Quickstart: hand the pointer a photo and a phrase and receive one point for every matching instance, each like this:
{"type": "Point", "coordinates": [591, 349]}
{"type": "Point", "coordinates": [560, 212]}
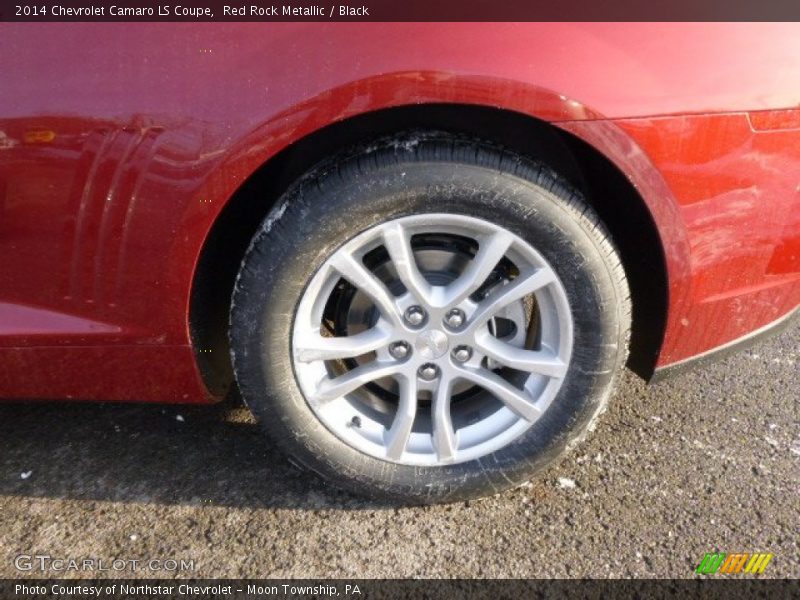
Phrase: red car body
{"type": "Point", "coordinates": [121, 146]}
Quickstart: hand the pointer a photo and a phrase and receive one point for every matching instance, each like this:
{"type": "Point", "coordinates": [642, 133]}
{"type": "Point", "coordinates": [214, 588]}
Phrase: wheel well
{"type": "Point", "coordinates": [609, 192]}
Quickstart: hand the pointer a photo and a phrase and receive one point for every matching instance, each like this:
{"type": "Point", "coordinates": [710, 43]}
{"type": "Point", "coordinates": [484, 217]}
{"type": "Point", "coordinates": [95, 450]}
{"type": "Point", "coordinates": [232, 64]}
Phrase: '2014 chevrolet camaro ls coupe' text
{"type": "Point", "coordinates": [423, 252]}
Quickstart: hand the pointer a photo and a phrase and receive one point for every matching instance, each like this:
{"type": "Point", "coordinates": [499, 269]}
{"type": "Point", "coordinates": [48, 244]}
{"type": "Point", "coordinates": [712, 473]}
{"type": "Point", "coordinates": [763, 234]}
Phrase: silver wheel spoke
{"type": "Point", "coordinates": [398, 244]}
{"type": "Point", "coordinates": [523, 285]}
{"type": "Point", "coordinates": [531, 361]}
{"type": "Point", "coordinates": [519, 401]}
{"type": "Point", "coordinates": [316, 347]}
{"type": "Point", "coordinates": [444, 438]}
{"type": "Point", "coordinates": [490, 251]}
{"type": "Point", "coordinates": [396, 438]}
{"type": "Point", "coordinates": [330, 389]}
{"type": "Point", "coordinates": [355, 272]}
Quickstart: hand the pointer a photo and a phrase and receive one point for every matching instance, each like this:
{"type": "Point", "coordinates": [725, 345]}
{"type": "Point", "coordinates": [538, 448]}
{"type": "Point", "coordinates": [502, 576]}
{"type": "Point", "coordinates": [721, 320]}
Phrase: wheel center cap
{"type": "Point", "coordinates": [432, 344]}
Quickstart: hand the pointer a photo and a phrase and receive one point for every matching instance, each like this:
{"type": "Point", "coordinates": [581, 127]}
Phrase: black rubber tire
{"type": "Point", "coordinates": [407, 176]}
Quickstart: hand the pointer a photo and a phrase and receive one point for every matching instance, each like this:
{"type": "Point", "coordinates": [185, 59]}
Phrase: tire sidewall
{"type": "Point", "coordinates": [322, 213]}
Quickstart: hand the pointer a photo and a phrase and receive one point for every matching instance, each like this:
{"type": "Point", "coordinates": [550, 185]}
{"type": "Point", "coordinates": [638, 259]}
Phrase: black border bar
{"type": "Point", "coordinates": [395, 10]}
{"type": "Point", "coordinates": [733, 587]}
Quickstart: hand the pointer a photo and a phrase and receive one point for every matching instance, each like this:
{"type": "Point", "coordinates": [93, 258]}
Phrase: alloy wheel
{"type": "Point", "coordinates": [432, 339]}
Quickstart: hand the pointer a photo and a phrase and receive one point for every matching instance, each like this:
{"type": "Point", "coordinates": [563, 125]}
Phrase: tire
{"type": "Point", "coordinates": [475, 185]}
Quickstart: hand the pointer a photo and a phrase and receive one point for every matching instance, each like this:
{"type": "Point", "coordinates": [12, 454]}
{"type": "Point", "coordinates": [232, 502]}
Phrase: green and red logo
{"type": "Point", "coordinates": [743, 562]}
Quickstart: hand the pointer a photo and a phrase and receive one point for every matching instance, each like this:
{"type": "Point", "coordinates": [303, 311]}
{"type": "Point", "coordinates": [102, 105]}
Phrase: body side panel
{"type": "Point", "coordinates": [735, 191]}
{"type": "Point", "coordinates": [115, 164]}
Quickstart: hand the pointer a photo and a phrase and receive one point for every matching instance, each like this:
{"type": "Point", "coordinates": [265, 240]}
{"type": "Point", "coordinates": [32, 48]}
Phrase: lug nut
{"type": "Point", "coordinates": [399, 349]}
{"type": "Point", "coordinates": [415, 315]}
{"type": "Point", "coordinates": [455, 318]}
{"type": "Point", "coordinates": [462, 353]}
{"type": "Point", "coordinates": [428, 372]}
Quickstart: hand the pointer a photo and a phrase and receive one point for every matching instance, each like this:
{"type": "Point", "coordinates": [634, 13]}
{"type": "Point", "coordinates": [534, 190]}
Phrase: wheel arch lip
{"type": "Point", "coordinates": [246, 155]}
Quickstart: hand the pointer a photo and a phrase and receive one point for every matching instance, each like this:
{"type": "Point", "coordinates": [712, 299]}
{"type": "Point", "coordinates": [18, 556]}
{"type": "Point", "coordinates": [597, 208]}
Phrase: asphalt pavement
{"type": "Point", "coordinates": [709, 461]}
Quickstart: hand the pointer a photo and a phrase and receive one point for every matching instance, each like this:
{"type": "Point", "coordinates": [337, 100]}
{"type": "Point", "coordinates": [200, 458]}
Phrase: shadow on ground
{"type": "Point", "coordinates": [155, 454]}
